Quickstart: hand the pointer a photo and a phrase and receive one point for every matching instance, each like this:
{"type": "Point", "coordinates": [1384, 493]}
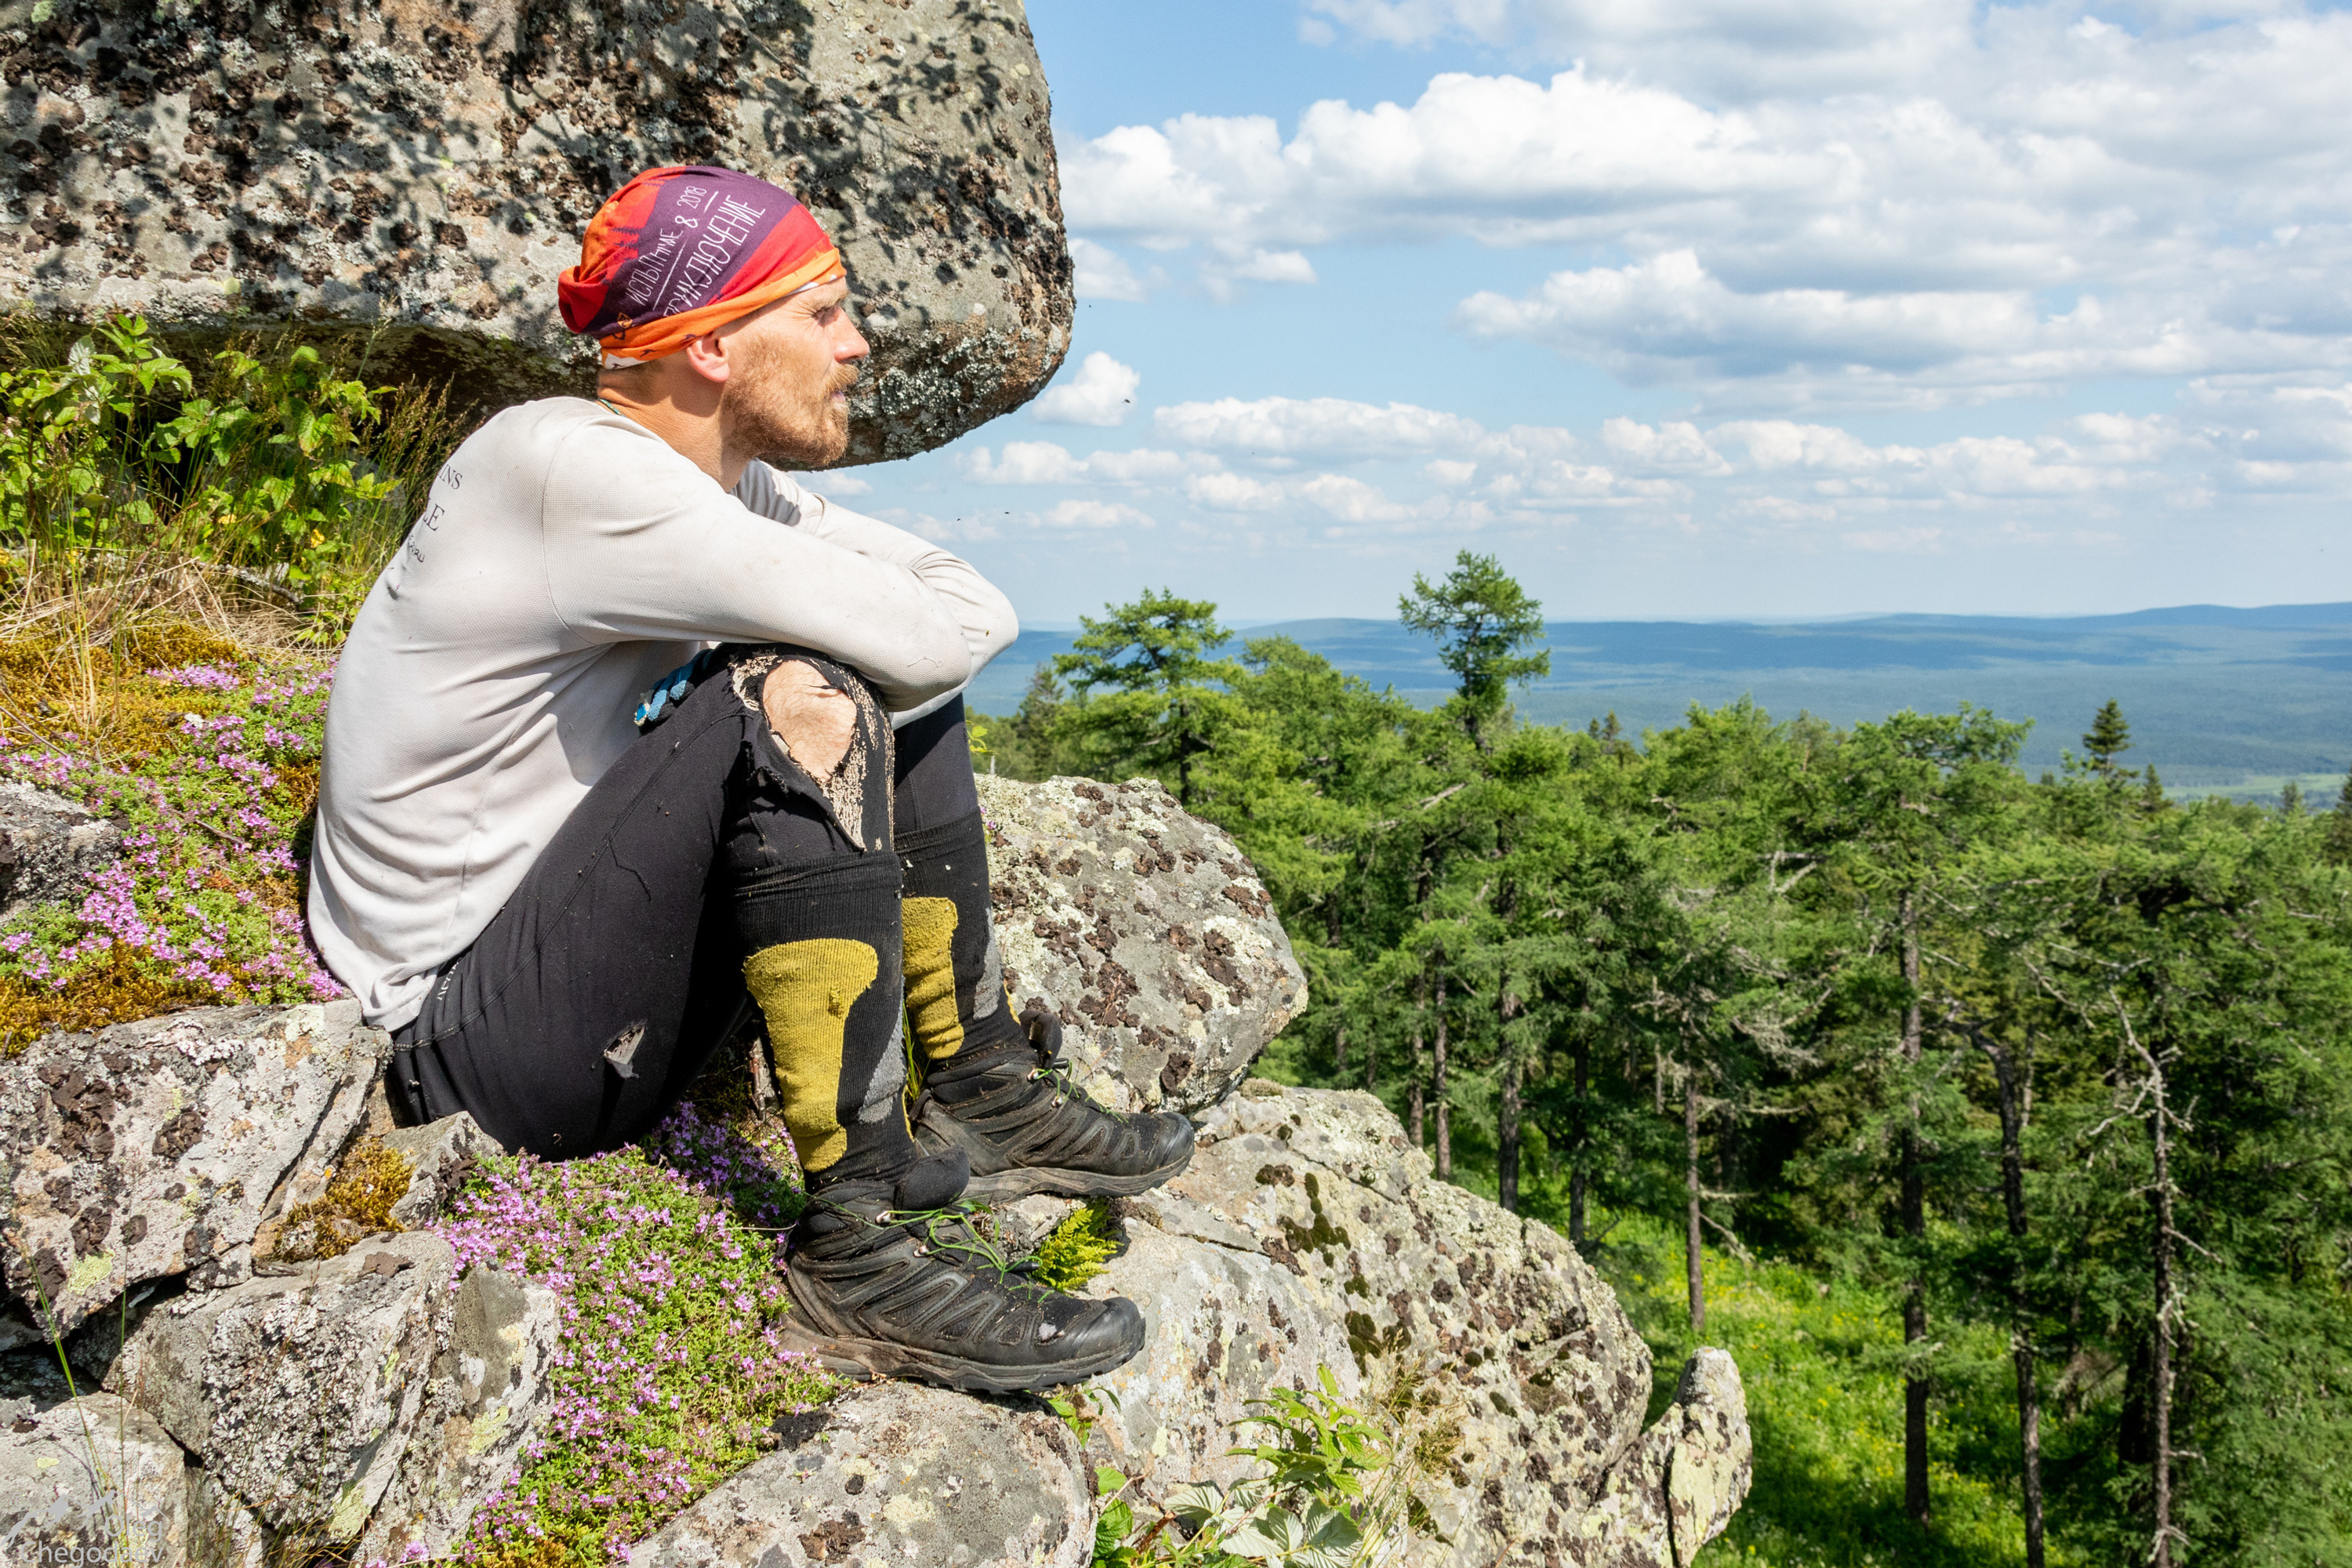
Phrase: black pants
{"type": "Point", "coordinates": [597, 993]}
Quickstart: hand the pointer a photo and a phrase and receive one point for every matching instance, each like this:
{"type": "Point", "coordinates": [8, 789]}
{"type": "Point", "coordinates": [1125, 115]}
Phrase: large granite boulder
{"type": "Point", "coordinates": [1307, 1233]}
{"type": "Point", "coordinates": [1146, 929]}
{"type": "Point", "coordinates": [427, 168]}
{"type": "Point", "coordinates": [897, 1473]}
{"type": "Point", "coordinates": [157, 1149]}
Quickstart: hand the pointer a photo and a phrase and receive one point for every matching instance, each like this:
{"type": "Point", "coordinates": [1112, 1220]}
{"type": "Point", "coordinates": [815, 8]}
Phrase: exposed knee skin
{"type": "Point", "coordinates": [814, 720]}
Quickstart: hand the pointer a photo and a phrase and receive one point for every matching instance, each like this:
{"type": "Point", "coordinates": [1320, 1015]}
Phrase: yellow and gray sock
{"type": "Point", "coordinates": [822, 946]}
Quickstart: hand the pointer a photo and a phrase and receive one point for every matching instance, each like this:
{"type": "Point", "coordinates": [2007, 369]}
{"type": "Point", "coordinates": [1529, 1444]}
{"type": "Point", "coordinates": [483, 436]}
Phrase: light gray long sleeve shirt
{"type": "Point", "coordinates": [566, 559]}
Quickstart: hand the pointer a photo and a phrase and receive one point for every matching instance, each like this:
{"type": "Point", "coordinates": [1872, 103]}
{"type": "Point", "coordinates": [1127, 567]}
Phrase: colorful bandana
{"type": "Point", "coordinates": [679, 252]}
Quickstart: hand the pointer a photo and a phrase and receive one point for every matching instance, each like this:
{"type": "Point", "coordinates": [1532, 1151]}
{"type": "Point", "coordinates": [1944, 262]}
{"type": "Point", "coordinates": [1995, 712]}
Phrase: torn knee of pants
{"type": "Point", "coordinates": [866, 763]}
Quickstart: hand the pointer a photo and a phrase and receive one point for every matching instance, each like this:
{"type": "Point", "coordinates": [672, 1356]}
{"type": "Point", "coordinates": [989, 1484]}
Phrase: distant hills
{"type": "Point", "coordinates": [2220, 699]}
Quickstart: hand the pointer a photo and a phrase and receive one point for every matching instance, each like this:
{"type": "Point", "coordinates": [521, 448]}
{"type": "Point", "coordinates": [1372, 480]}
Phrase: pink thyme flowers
{"type": "Point", "coordinates": [669, 1258]}
{"type": "Point", "coordinates": [207, 890]}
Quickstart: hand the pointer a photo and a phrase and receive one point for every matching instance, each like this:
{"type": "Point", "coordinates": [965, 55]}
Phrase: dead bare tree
{"type": "Point", "coordinates": [2150, 1103]}
{"type": "Point", "coordinates": [2014, 1081]}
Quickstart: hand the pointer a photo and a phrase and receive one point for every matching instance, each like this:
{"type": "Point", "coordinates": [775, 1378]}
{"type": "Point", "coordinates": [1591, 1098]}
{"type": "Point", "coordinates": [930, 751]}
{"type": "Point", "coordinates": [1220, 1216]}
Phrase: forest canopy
{"type": "Point", "coordinates": [2056, 1072]}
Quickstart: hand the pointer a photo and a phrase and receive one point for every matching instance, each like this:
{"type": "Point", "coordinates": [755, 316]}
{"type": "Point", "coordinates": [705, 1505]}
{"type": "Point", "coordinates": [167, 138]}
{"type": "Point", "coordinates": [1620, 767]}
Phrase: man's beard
{"type": "Point", "coordinates": [764, 411]}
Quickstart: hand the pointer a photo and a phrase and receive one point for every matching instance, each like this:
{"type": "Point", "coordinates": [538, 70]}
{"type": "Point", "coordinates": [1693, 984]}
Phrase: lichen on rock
{"type": "Point", "coordinates": [1145, 929]}
{"type": "Point", "coordinates": [159, 1149]}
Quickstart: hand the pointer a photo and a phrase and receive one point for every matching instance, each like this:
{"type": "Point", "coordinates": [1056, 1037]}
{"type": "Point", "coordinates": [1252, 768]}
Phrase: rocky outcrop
{"type": "Point", "coordinates": [157, 1149]}
{"type": "Point", "coordinates": [425, 169]}
{"type": "Point", "coordinates": [49, 848]}
{"type": "Point", "coordinates": [481, 1406]}
{"type": "Point", "coordinates": [897, 1473]}
{"type": "Point", "coordinates": [299, 1392]}
{"type": "Point", "coordinates": [1147, 928]}
{"type": "Point", "coordinates": [1308, 1234]}
{"type": "Point", "coordinates": [368, 1403]}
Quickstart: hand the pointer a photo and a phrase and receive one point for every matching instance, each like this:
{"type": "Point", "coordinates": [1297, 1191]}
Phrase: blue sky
{"type": "Point", "coordinates": [1683, 308]}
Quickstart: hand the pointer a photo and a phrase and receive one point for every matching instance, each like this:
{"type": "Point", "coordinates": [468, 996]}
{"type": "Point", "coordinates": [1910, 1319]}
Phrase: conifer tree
{"type": "Point", "coordinates": [2337, 844]}
{"type": "Point", "coordinates": [1481, 618]}
{"type": "Point", "coordinates": [1164, 704]}
{"type": "Point", "coordinates": [2109, 737]}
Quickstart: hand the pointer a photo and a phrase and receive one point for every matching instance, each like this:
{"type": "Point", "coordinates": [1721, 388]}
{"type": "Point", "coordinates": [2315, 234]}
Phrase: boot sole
{"type": "Point", "coordinates": [867, 1359]}
{"type": "Point", "coordinates": [1049, 1181]}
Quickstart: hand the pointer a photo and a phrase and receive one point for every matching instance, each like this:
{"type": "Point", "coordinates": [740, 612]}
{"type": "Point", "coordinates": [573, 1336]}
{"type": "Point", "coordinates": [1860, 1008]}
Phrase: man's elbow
{"type": "Point", "coordinates": [995, 631]}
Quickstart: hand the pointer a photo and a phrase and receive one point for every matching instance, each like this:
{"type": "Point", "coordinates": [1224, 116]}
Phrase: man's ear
{"type": "Point", "coordinates": [706, 356]}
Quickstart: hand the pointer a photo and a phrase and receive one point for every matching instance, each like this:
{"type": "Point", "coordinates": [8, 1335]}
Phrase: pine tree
{"type": "Point", "coordinates": [1165, 705]}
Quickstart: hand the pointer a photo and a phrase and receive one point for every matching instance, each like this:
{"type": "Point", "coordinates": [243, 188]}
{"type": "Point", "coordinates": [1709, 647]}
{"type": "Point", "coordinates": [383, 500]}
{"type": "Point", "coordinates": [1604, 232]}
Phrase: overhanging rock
{"type": "Point", "coordinates": [423, 171]}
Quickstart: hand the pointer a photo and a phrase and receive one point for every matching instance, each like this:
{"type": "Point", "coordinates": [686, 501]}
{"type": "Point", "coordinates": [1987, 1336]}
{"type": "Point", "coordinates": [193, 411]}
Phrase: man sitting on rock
{"type": "Point", "coordinates": [561, 913]}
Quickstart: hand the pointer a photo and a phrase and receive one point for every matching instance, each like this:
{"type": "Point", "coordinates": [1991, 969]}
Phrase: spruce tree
{"type": "Point", "coordinates": [2337, 844]}
{"type": "Point", "coordinates": [2108, 738]}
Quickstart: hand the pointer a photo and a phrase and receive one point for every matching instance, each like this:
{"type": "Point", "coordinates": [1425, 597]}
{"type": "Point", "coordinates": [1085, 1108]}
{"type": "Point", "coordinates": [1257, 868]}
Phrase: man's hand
{"type": "Point", "coordinates": [814, 721]}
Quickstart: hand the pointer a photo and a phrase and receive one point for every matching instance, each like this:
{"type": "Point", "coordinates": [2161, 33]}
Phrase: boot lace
{"type": "Point", "coordinates": [955, 1236]}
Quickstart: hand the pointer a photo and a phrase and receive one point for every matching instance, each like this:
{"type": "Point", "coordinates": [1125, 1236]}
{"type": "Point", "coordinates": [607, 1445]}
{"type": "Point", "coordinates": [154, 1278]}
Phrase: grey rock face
{"type": "Point", "coordinates": [440, 1155]}
{"type": "Point", "coordinates": [487, 1391]}
{"type": "Point", "coordinates": [298, 1392]}
{"type": "Point", "coordinates": [222, 1531]}
{"type": "Point", "coordinates": [1146, 929]}
{"type": "Point", "coordinates": [1679, 1486]}
{"type": "Point", "coordinates": [93, 1480]}
{"type": "Point", "coordinates": [158, 1148]}
{"type": "Point", "coordinates": [427, 168]}
{"type": "Point", "coordinates": [49, 848]}
{"type": "Point", "coordinates": [1307, 1234]}
{"type": "Point", "coordinates": [895, 1473]}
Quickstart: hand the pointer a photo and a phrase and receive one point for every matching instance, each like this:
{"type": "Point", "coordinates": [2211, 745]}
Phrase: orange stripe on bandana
{"type": "Point", "coordinates": [679, 252]}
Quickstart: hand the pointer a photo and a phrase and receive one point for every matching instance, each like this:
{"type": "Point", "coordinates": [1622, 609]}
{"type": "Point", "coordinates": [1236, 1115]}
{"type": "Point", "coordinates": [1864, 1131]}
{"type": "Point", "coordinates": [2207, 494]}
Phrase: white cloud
{"type": "Point", "coordinates": [1282, 428]}
{"type": "Point", "coordinates": [1674, 447]}
{"type": "Point", "coordinates": [1849, 203]}
{"type": "Point", "coordinates": [1101, 273]}
{"type": "Point", "coordinates": [1233, 492]}
{"type": "Point", "coordinates": [1101, 393]}
{"type": "Point", "coordinates": [1351, 499]}
{"type": "Point", "coordinates": [1094, 515]}
{"type": "Point", "coordinates": [1048, 463]}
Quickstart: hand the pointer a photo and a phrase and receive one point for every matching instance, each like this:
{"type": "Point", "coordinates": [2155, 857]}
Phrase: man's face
{"type": "Point", "coordinates": [790, 370]}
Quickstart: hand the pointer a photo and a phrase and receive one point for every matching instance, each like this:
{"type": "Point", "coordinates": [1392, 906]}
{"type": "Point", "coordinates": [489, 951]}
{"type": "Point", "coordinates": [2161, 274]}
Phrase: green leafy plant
{"type": "Point", "coordinates": [1337, 1492]}
{"type": "Point", "coordinates": [267, 468]}
{"type": "Point", "coordinates": [74, 439]}
{"type": "Point", "coordinates": [277, 474]}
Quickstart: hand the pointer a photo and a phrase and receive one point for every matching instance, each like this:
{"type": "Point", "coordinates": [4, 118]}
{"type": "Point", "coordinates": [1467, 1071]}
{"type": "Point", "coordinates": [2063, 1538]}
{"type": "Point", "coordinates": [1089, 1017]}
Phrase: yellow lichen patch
{"type": "Point", "coordinates": [358, 1204]}
{"type": "Point", "coordinates": [114, 990]}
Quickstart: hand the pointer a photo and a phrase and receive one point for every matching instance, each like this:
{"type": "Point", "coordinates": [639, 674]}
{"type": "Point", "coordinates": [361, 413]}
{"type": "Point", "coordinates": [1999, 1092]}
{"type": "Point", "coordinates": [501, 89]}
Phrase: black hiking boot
{"type": "Point", "coordinates": [1014, 1113]}
{"type": "Point", "coordinates": [883, 1287]}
